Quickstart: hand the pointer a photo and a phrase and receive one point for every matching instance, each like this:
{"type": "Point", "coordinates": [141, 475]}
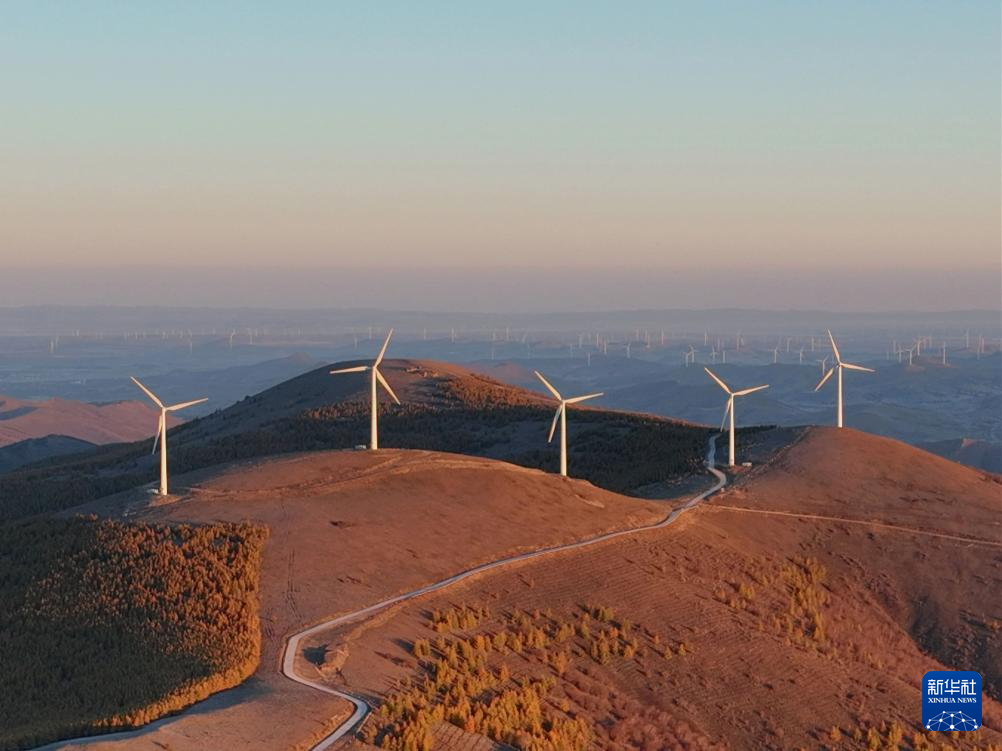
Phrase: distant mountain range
{"type": "Point", "coordinates": [116, 422]}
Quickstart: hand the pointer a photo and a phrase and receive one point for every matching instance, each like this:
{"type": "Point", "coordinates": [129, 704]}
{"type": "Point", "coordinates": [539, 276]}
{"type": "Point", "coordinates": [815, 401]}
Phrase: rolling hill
{"type": "Point", "coordinates": [346, 528]}
{"type": "Point", "coordinates": [115, 422]}
{"type": "Point", "coordinates": [798, 609]}
{"type": "Point", "coordinates": [445, 408]}
{"type": "Point", "coordinates": [32, 450]}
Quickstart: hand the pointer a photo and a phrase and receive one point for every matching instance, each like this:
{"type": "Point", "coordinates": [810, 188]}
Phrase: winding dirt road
{"type": "Point", "coordinates": [292, 646]}
{"type": "Point", "coordinates": [361, 708]}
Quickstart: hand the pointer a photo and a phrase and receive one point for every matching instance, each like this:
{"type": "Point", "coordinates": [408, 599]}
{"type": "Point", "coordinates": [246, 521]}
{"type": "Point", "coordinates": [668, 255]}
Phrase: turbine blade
{"type": "Point", "coordinates": [726, 411]}
{"type": "Point", "coordinates": [148, 393]}
{"type": "Point", "coordinates": [385, 385]}
{"type": "Point", "coordinates": [719, 382]}
{"type": "Point", "coordinates": [838, 357]}
{"type": "Point", "coordinates": [824, 378]}
{"type": "Point", "coordinates": [160, 430]}
{"type": "Point", "coordinates": [182, 405]}
{"type": "Point", "coordinates": [850, 366]}
{"type": "Point", "coordinates": [577, 399]}
{"type": "Point", "coordinates": [752, 390]}
{"type": "Point", "coordinates": [356, 369]}
{"type": "Point", "coordinates": [553, 425]}
{"type": "Point", "coordinates": [548, 385]}
{"type": "Point", "coordinates": [386, 343]}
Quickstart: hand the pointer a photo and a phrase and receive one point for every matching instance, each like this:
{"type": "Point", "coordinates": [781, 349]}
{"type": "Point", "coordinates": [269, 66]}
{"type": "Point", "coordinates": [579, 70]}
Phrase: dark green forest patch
{"type": "Point", "coordinates": [107, 625]}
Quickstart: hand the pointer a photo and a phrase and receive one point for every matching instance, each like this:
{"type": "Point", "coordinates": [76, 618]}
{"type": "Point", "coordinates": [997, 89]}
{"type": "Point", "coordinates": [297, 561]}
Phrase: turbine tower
{"type": "Point", "coordinates": [375, 377]}
{"type": "Point", "coordinates": [839, 366]}
{"type": "Point", "coordinates": [730, 409]}
{"type": "Point", "coordinates": [162, 429]}
{"type": "Point", "coordinates": [561, 415]}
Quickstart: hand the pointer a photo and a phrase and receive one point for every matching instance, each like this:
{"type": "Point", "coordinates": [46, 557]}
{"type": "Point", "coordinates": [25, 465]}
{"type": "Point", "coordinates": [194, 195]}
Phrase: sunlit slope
{"type": "Point", "coordinates": [733, 627]}
{"type": "Point", "coordinates": [351, 528]}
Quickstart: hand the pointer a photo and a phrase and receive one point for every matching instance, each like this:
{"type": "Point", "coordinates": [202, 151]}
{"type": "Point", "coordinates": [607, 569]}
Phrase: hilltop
{"type": "Point", "coordinates": [778, 615]}
{"type": "Point", "coordinates": [445, 408]}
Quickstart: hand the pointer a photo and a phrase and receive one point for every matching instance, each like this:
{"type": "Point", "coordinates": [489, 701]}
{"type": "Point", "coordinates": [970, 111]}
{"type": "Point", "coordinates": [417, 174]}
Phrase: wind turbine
{"type": "Point", "coordinates": [162, 429]}
{"type": "Point", "coordinates": [373, 379]}
{"type": "Point", "coordinates": [561, 415]}
{"type": "Point", "coordinates": [839, 366]}
{"type": "Point", "coordinates": [730, 408]}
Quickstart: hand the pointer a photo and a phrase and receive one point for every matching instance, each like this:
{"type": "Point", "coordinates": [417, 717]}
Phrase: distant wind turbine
{"type": "Point", "coordinates": [561, 415]}
{"type": "Point", "coordinates": [839, 366]}
{"type": "Point", "coordinates": [162, 429]}
{"type": "Point", "coordinates": [374, 378]}
{"type": "Point", "coordinates": [730, 408]}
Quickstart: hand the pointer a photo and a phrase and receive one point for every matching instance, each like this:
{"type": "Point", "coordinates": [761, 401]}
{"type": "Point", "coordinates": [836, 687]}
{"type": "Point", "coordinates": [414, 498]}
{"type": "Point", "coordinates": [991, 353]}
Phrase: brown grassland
{"type": "Point", "coordinates": [348, 529]}
{"type": "Point", "coordinates": [731, 628]}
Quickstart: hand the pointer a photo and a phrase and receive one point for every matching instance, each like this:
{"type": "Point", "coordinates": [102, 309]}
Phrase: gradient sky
{"type": "Point", "coordinates": [858, 136]}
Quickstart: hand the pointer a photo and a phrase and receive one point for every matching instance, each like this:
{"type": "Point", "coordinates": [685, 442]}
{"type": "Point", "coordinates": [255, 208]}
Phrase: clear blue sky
{"type": "Point", "coordinates": [854, 135]}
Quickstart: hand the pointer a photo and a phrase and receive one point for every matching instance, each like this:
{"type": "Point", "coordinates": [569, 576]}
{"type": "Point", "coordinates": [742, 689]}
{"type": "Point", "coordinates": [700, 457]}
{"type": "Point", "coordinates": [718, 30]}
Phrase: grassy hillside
{"type": "Point", "coordinates": [110, 625]}
{"type": "Point", "coordinates": [799, 609]}
{"type": "Point", "coordinates": [445, 409]}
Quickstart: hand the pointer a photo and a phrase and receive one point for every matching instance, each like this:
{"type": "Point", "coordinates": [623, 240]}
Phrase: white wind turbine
{"type": "Point", "coordinates": [561, 415]}
{"type": "Point", "coordinates": [730, 409]}
{"type": "Point", "coordinates": [162, 429]}
{"type": "Point", "coordinates": [373, 379]}
{"type": "Point", "coordinates": [838, 366]}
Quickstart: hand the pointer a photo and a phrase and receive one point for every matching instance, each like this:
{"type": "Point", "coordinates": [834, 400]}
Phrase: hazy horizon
{"type": "Point", "coordinates": [529, 290]}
